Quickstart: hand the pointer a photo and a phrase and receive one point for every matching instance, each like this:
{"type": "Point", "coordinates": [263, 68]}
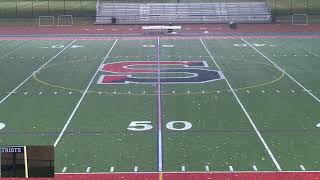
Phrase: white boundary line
{"type": "Point", "coordinates": [35, 72]}
{"type": "Point", "coordinates": [246, 113]}
{"type": "Point", "coordinates": [82, 97]}
{"type": "Point", "coordinates": [282, 70]}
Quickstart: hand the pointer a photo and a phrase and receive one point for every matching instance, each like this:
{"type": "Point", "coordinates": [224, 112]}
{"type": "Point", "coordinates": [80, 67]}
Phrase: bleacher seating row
{"type": "Point", "coordinates": [159, 13]}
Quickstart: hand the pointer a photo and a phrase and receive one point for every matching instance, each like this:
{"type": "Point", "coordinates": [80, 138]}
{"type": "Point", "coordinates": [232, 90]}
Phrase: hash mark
{"type": "Point", "coordinates": [135, 169]}
{"type": "Point", "coordinates": [277, 91]}
{"type": "Point", "coordinates": [100, 92]}
{"type": "Point", "coordinates": [183, 168]}
{"type": "Point", "coordinates": [248, 91]}
{"type": "Point", "coordinates": [255, 168]}
{"type": "Point", "coordinates": [262, 91]}
{"type": "Point", "coordinates": [231, 168]}
{"type": "Point", "coordinates": [25, 93]}
{"type": "Point", "coordinates": [64, 169]}
{"type": "Point", "coordinates": [55, 92]}
{"type": "Point", "coordinates": [207, 168]}
{"type": "Point", "coordinates": [302, 168]}
{"type": "Point", "coordinates": [70, 92]}
{"type": "Point", "coordinates": [88, 169]}
{"type": "Point", "coordinates": [203, 92]}
{"type": "Point", "coordinates": [111, 169]}
{"type": "Point", "coordinates": [40, 93]}
{"type": "Point", "coordinates": [292, 91]}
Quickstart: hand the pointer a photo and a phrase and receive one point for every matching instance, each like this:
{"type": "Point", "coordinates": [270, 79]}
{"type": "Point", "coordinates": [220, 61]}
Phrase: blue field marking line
{"type": "Point", "coordinates": [246, 113]}
{"type": "Point", "coordinates": [159, 104]}
{"type": "Point", "coordinates": [83, 95]}
{"type": "Point", "coordinates": [34, 72]}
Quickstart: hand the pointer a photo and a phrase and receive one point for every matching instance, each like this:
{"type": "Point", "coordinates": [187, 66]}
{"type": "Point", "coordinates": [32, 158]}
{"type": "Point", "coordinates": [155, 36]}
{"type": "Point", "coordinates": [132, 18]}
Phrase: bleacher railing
{"type": "Point", "coordinates": [135, 19]}
{"type": "Point", "coordinates": [269, 5]}
{"type": "Point", "coordinates": [97, 6]}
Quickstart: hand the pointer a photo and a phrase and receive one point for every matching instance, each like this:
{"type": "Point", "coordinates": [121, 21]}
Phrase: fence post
{"type": "Point", "coordinates": [291, 10]}
{"type": "Point", "coordinates": [32, 8]}
{"type": "Point", "coordinates": [275, 7]}
{"type": "Point", "coordinates": [16, 7]}
{"type": "Point", "coordinates": [48, 7]}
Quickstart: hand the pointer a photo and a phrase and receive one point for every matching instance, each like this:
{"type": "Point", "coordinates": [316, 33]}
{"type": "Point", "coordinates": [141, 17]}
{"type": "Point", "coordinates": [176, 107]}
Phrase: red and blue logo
{"type": "Point", "coordinates": [125, 72]}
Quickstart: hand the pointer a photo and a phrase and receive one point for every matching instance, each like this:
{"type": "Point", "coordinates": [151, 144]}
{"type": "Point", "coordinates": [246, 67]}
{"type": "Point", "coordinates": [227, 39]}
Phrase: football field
{"type": "Point", "coordinates": [164, 104]}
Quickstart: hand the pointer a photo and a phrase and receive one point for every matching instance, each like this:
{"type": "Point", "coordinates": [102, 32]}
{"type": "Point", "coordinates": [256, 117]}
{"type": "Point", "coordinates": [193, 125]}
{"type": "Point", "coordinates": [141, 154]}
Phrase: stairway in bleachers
{"type": "Point", "coordinates": [241, 12]}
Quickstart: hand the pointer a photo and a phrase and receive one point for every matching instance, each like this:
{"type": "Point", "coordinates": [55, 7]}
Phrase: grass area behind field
{"type": "Point", "coordinates": [26, 12]}
{"type": "Point", "coordinates": [35, 8]}
{"type": "Point", "coordinates": [295, 6]}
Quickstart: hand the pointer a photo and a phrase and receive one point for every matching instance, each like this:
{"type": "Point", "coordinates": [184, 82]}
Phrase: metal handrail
{"type": "Point", "coordinates": [97, 6]}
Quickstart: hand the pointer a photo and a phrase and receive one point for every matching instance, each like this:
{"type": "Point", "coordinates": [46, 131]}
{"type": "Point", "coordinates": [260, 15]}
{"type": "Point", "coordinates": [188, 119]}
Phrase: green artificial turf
{"type": "Point", "coordinates": [269, 118]}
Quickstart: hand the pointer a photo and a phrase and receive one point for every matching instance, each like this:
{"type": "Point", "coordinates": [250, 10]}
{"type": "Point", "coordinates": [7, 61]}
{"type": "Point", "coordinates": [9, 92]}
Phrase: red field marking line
{"type": "Point", "coordinates": [136, 29]}
{"type": "Point", "coordinates": [186, 176]}
{"type": "Point", "coordinates": [180, 37]}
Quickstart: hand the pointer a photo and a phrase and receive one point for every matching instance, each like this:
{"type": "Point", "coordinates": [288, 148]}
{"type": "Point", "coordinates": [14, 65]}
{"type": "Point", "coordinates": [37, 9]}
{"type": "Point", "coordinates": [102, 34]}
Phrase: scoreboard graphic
{"type": "Point", "coordinates": [27, 161]}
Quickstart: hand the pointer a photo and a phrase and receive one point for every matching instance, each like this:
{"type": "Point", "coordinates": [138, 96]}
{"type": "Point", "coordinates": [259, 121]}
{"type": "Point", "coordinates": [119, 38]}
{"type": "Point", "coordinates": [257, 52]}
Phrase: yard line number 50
{"type": "Point", "coordinates": [172, 125]}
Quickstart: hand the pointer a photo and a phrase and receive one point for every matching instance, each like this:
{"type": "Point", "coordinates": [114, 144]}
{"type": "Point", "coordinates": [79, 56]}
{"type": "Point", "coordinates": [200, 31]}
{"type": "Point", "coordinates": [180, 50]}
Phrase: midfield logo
{"type": "Point", "coordinates": [126, 72]}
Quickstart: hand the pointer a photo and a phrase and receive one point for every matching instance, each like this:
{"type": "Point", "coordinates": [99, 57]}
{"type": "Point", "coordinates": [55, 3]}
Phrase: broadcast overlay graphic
{"type": "Point", "coordinates": [27, 161]}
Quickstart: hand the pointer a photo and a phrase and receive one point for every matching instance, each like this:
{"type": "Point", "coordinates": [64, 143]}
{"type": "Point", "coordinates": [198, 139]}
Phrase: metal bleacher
{"type": "Point", "coordinates": [159, 13]}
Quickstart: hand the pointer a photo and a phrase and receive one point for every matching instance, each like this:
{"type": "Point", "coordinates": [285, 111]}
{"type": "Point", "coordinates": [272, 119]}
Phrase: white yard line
{"type": "Point", "coordinates": [282, 70]}
{"type": "Point", "coordinates": [82, 97]}
{"type": "Point", "coordinates": [160, 148]}
{"type": "Point", "coordinates": [207, 168]}
{"type": "Point", "coordinates": [255, 168]}
{"type": "Point", "coordinates": [183, 168]}
{"type": "Point", "coordinates": [135, 169]}
{"type": "Point", "coordinates": [302, 168]}
{"type": "Point", "coordinates": [15, 89]}
{"type": "Point", "coordinates": [313, 53]}
{"type": "Point", "coordinates": [245, 112]}
{"type": "Point", "coordinates": [112, 169]}
{"type": "Point", "coordinates": [231, 168]}
{"type": "Point", "coordinates": [15, 49]}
